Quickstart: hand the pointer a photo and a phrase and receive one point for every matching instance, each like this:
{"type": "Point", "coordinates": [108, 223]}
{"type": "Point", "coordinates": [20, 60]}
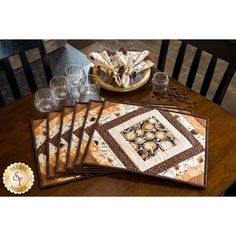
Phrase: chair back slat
{"type": "Point", "coordinates": [225, 81]}
{"type": "Point", "coordinates": [163, 55]}
{"type": "Point", "coordinates": [179, 61]}
{"type": "Point", "coordinates": [2, 103]}
{"type": "Point", "coordinates": [194, 68]}
{"type": "Point", "coordinates": [28, 72]}
{"type": "Point", "coordinates": [11, 78]}
{"type": "Point", "coordinates": [208, 76]}
{"type": "Point", "coordinates": [10, 48]}
{"type": "Point", "coordinates": [223, 49]}
{"type": "Point", "coordinates": [45, 61]}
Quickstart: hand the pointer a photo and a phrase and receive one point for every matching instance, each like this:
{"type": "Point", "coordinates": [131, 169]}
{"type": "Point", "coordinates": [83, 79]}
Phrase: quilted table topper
{"type": "Point", "coordinates": [150, 141]}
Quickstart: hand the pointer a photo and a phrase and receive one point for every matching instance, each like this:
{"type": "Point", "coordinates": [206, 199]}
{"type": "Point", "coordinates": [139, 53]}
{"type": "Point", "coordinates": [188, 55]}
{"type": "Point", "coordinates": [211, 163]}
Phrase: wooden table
{"type": "Point", "coordinates": [16, 146]}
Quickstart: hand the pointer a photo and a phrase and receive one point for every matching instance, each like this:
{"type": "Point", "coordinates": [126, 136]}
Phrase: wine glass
{"type": "Point", "coordinates": [76, 76]}
{"type": "Point", "coordinates": [90, 89]}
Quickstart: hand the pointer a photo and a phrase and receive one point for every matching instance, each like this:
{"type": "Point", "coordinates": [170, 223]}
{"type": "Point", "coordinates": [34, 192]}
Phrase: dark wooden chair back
{"type": "Point", "coordinates": [12, 47]}
{"type": "Point", "coordinates": [225, 50]}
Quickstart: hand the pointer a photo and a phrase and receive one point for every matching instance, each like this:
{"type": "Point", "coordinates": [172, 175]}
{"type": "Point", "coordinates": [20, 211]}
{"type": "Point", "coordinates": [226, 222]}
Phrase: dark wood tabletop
{"type": "Point", "coordinates": [16, 145]}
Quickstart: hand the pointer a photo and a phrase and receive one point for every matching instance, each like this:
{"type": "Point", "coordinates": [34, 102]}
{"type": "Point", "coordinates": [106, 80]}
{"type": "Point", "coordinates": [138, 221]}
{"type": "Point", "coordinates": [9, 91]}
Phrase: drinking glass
{"type": "Point", "coordinates": [76, 76]}
{"type": "Point", "coordinates": [60, 87]}
{"type": "Point", "coordinates": [44, 100]}
{"type": "Point", "coordinates": [160, 82]}
{"type": "Point", "coordinates": [90, 89]}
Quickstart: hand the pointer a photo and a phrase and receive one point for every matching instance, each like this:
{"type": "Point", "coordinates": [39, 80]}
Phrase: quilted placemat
{"type": "Point", "coordinates": [150, 141]}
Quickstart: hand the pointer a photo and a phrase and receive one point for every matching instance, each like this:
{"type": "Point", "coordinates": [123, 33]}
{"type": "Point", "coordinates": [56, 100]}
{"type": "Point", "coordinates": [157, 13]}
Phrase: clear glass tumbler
{"type": "Point", "coordinates": [44, 100]}
{"type": "Point", "coordinates": [160, 82]}
{"type": "Point", "coordinates": [75, 75]}
{"type": "Point", "coordinates": [90, 89]}
{"type": "Point", "coordinates": [60, 87]}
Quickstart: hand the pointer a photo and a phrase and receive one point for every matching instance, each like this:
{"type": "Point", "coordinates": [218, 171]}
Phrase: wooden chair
{"type": "Point", "coordinates": [12, 47]}
{"type": "Point", "coordinates": [223, 49]}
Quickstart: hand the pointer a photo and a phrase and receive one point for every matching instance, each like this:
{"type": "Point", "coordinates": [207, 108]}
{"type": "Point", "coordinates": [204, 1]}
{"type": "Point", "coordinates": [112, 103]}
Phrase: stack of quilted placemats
{"type": "Point", "coordinates": [100, 137]}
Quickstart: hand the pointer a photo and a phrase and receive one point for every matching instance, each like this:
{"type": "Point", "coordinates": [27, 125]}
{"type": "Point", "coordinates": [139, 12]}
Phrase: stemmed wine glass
{"type": "Point", "coordinates": [76, 77]}
{"type": "Point", "coordinates": [89, 90]}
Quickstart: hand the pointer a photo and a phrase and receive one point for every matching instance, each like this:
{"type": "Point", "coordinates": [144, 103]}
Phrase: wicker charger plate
{"type": "Point", "coordinates": [137, 80]}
